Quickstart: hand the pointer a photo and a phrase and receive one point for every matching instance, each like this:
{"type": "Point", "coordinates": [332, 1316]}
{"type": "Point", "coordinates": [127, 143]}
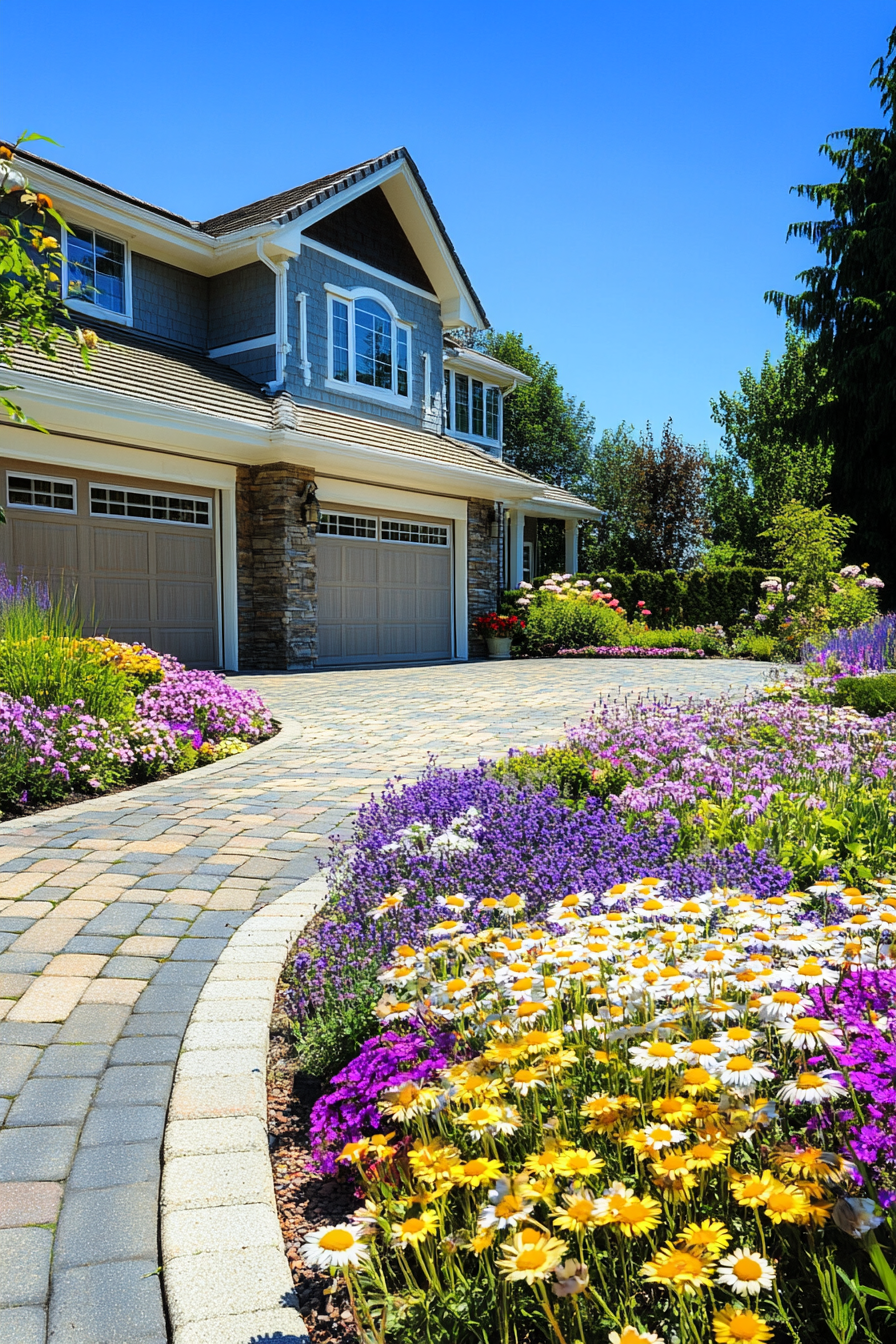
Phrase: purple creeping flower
{"type": "Point", "coordinates": [348, 1110]}
{"type": "Point", "coordinates": [864, 1006]}
{"type": "Point", "coordinates": [205, 701]}
{"type": "Point", "coordinates": [525, 842]}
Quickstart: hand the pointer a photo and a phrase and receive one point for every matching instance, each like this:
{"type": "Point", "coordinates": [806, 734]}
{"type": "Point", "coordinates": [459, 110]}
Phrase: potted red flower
{"type": "Point", "coordinates": [498, 632]}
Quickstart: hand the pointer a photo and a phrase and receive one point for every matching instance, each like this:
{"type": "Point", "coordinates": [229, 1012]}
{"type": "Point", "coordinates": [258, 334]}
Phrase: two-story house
{"type": "Point", "coordinates": [278, 459]}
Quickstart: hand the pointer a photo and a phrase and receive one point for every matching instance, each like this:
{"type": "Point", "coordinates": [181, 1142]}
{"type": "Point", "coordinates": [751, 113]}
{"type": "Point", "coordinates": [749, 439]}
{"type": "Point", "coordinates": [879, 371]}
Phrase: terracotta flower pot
{"type": "Point", "coordinates": [498, 647]}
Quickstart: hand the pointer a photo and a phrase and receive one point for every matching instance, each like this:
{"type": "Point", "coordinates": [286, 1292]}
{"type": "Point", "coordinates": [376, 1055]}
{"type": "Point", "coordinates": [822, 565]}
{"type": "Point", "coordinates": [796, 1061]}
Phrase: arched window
{"type": "Point", "coordinates": [369, 346]}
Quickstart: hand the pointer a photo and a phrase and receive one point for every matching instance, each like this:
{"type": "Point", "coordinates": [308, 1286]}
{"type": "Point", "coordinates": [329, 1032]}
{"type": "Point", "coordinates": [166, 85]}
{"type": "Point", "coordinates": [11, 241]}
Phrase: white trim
{"type": "Point", "coordinates": [362, 292]}
{"type": "Point", "coordinates": [304, 361]}
{"type": "Point", "coordinates": [517, 520]}
{"type": "Point", "coordinates": [571, 545]}
{"type": "Point", "coordinates": [366, 392]}
{"type": "Point", "coordinates": [487, 368]}
{"type": "Point", "coordinates": [467, 435]}
{"type": "Point", "coordinates": [348, 297]}
{"type": "Point", "coordinates": [101, 314]}
{"type": "Point", "coordinates": [85, 306]}
{"type": "Point", "coordinates": [369, 270]}
{"type": "Point", "coordinates": [283, 347]}
{"type": "Point", "coordinates": [61, 452]}
{"type": "Point", "coordinates": [229, 590]}
{"type": "Point", "coordinates": [44, 508]}
{"type": "Point", "coordinates": [237, 348]}
{"type": "Point", "coordinates": [130, 488]}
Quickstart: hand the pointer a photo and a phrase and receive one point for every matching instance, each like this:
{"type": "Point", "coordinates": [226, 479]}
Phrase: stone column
{"type": "Point", "coordinates": [482, 566]}
{"type": "Point", "coordinates": [276, 570]}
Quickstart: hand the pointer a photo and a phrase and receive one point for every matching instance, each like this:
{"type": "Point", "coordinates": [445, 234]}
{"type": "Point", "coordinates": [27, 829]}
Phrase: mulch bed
{"type": "Point", "coordinates": [305, 1200]}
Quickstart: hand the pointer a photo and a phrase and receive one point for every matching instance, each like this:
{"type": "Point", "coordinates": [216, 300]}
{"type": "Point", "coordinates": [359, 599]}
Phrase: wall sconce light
{"type": "Point", "coordinates": [493, 528]}
{"type": "Point", "coordinates": [307, 502]}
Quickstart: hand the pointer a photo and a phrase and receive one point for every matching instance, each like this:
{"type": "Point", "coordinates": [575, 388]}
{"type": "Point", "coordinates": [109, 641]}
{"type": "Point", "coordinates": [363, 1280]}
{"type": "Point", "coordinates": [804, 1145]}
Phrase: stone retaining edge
{"type": "Point", "coordinates": [225, 1274]}
{"type": "Point", "coordinates": [289, 730]}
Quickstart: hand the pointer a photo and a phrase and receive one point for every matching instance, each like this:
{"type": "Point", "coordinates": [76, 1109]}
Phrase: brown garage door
{"type": "Point", "coordinates": [140, 555]}
{"type": "Point", "coordinates": [384, 588]}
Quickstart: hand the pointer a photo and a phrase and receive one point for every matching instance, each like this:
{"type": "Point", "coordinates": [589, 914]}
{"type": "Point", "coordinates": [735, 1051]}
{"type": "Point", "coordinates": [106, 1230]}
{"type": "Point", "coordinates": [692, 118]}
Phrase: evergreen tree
{"type": "Point", "coordinates": [848, 305]}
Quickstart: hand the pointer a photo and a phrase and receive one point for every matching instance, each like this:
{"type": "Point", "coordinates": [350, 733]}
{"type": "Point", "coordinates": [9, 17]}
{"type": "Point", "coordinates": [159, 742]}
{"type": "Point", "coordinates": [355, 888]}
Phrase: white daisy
{"type": "Point", "coordinates": [811, 1088]}
{"type": "Point", "coordinates": [742, 1073]}
{"type": "Point", "coordinates": [781, 1005]}
{"type": "Point", "coordinates": [655, 1055]}
{"type": "Point", "coordinates": [745, 1272]}
{"type": "Point", "coordinates": [335, 1247]}
{"type": "Point", "coordinates": [808, 1032]}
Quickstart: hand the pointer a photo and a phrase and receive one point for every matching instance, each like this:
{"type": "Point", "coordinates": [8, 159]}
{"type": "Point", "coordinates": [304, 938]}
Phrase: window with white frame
{"type": "Point", "coordinates": [96, 269]}
{"type": "Point", "coordinates": [370, 348]}
{"type": "Point", "coordinates": [107, 501]}
{"type": "Point", "coordinates": [41, 492]}
{"type": "Point", "coordinates": [421, 534]}
{"type": "Point", "coordinates": [472, 407]}
{"type": "Point", "coordinates": [346, 525]}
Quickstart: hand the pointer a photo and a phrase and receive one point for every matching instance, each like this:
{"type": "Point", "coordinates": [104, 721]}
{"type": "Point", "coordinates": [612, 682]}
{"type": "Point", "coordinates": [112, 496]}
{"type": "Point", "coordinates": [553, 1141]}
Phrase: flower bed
{"type": "Point", "coordinates": [628, 651]}
{"type": "Point", "coordinates": [156, 718]}
{"type": "Point", "coordinates": [602, 1074]}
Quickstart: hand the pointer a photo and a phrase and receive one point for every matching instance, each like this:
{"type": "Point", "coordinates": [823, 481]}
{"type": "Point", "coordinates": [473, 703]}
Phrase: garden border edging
{"type": "Point", "coordinates": [290, 729]}
{"type": "Point", "coordinates": [225, 1274]}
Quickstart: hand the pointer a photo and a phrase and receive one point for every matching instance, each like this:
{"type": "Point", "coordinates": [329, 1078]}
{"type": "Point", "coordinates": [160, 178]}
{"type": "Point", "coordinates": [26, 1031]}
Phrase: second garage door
{"type": "Point", "coordinates": [384, 588]}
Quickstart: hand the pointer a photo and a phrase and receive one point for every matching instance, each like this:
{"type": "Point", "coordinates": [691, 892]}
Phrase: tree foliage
{"type": "Point", "coordinates": [31, 309]}
{"type": "Point", "coordinates": [848, 305]}
{"type": "Point", "coordinates": [546, 431]}
{"type": "Point", "coordinates": [772, 448]}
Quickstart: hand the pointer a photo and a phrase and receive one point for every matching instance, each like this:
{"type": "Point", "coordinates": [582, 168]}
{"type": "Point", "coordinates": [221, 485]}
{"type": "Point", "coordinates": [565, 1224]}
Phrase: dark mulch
{"type": "Point", "coordinates": [305, 1201]}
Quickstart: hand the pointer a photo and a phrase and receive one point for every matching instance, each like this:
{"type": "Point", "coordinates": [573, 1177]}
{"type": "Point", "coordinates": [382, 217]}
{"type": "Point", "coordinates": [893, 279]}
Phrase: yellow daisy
{"type": "Point", "coordinates": [735, 1325]}
{"type": "Point", "coordinates": [709, 1238]}
{"type": "Point", "coordinates": [413, 1230]}
{"type": "Point", "coordinates": [675, 1267]}
{"type": "Point", "coordinates": [525, 1260]}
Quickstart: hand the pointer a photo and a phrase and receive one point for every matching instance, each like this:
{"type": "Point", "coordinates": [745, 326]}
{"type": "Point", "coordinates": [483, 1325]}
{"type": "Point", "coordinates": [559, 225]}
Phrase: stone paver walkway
{"type": "Point", "coordinates": [113, 914]}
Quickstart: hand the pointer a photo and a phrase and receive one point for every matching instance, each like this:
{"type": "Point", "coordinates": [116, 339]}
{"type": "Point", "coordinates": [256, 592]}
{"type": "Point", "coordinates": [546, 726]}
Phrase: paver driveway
{"type": "Point", "coordinates": [113, 913]}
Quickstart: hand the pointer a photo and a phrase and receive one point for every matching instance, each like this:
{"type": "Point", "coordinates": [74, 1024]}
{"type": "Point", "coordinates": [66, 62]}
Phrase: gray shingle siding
{"type": "Point", "coordinates": [309, 272]}
{"type": "Point", "coordinates": [259, 366]}
{"type": "Point", "coordinates": [169, 302]}
{"type": "Point", "coordinates": [241, 305]}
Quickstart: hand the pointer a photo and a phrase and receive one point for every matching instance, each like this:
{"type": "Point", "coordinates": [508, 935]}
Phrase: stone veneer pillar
{"type": "Point", "coordinates": [276, 570]}
{"type": "Point", "coordinates": [482, 566]}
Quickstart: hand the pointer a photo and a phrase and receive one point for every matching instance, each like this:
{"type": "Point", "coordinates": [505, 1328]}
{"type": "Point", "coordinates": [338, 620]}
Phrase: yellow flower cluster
{"type": "Point", "coordinates": [132, 659]}
{"type": "Point", "coordinates": [628, 1107]}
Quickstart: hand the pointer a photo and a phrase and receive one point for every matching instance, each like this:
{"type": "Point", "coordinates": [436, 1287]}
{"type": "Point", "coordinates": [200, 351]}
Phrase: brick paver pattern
{"type": "Point", "coordinates": [112, 915]}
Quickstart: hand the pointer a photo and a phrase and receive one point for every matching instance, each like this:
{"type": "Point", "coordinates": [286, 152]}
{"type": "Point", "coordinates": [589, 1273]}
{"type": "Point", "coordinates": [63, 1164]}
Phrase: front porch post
{"type": "Point", "coordinates": [571, 527]}
{"type": "Point", "coordinates": [515, 549]}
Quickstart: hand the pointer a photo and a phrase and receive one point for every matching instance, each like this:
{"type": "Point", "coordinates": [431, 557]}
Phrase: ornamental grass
{"type": "Point", "coordinates": [651, 1125]}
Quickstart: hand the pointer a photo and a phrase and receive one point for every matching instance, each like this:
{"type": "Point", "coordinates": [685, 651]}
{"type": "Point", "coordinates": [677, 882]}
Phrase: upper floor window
{"type": "Point", "coordinates": [472, 407]}
{"type": "Point", "coordinates": [96, 267]}
{"type": "Point", "coordinates": [370, 348]}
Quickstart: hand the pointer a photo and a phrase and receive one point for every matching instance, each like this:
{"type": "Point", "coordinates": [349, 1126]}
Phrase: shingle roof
{"type": "Point", "coordinates": [283, 207]}
{"type": "Point", "coordinates": [134, 365]}
{"type": "Point", "coordinates": [131, 364]}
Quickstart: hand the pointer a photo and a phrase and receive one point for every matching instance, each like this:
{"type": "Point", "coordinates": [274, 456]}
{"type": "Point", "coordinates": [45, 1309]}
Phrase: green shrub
{"type": "Point", "coordinates": [764, 648]}
{"type": "Point", "coordinates": [872, 695]}
{"type": "Point", "coordinates": [711, 640]}
{"type": "Point", "coordinates": [702, 597]}
{"type": "Point", "coordinates": [42, 655]}
{"type": "Point", "coordinates": [553, 623]}
{"type": "Point", "coordinates": [574, 776]}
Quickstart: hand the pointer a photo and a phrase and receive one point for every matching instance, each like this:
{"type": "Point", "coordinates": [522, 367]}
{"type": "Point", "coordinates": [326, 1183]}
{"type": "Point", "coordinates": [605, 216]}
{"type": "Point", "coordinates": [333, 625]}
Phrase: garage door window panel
{"type": "Point", "coordinates": [107, 501]}
{"type": "Point", "coordinates": [41, 492]}
{"type": "Point", "coordinates": [346, 525]}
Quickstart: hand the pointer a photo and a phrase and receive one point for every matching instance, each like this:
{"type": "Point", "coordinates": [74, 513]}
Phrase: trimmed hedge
{"type": "Point", "coordinates": [699, 598]}
{"type": "Point", "coordinates": [873, 696]}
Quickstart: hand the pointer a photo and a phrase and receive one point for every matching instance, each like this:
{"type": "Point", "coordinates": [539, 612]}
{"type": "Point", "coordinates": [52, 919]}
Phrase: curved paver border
{"type": "Point", "coordinates": [225, 1272]}
{"type": "Point", "coordinates": [289, 730]}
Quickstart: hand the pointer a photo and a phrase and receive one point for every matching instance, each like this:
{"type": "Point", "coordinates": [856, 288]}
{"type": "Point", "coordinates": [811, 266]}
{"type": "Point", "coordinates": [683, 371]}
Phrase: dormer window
{"type": "Point", "coordinates": [370, 347]}
{"type": "Point", "coordinates": [96, 271]}
{"type": "Point", "coordinates": [472, 407]}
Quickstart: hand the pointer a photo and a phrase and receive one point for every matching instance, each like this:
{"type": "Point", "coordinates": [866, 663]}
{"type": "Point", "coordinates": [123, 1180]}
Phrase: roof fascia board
{"type": "Point", "coordinates": [465, 311]}
{"type": "Point", "coordinates": [473, 361]}
{"type": "Point", "coordinates": [149, 424]}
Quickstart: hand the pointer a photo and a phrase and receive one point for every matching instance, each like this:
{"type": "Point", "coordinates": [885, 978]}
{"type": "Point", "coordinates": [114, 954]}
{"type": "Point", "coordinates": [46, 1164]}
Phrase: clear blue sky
{"type": "Point", "coordinates": [614, 175]}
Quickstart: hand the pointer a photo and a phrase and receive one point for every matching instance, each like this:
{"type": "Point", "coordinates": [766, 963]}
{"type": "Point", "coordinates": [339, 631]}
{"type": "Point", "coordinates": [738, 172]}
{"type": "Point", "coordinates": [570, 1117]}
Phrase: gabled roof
{"type": "Point", "coordinates": [282, 208]}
